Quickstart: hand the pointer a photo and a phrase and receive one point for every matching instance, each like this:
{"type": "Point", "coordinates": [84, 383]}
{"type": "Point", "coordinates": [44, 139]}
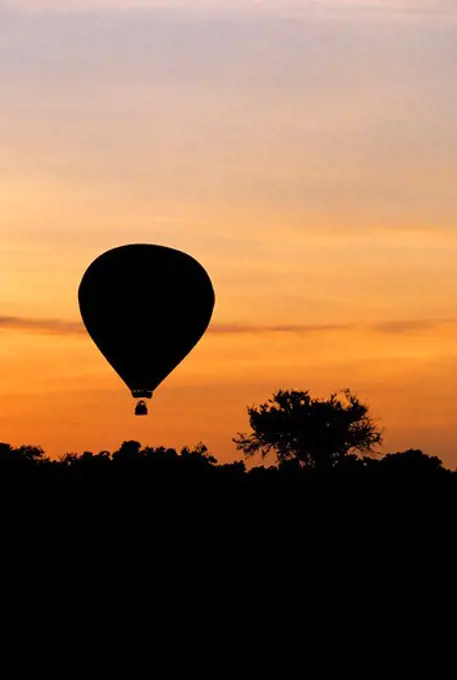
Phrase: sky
{"type": "Point", "coordinates": [304, 152]}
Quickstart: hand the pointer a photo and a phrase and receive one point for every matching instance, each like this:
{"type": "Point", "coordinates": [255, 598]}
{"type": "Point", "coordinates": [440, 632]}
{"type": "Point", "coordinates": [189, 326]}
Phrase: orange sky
{"type": "Point", "coordinates": [307, 157]}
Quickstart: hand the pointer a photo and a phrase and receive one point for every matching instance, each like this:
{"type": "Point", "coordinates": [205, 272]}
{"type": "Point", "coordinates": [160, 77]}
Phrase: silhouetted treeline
{"type": "Point", "coordinates": [145, 471]}
{"type": "Point", "coordinates": [184, 513]}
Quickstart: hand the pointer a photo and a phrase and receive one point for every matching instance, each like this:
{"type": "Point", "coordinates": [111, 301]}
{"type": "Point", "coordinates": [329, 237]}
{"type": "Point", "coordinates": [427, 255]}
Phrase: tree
{"type": "Point", "coordinates": [412, 465]}
{"type": "Point", "coordinates": [199, 454]}
{"type": "Point", "coordinates": [129, 451]}
{"type": "Point", "coordinates": [32, 454]}
{"type": "Point", "coordinates": [6, 452]}
{"type": "Point", "coordinates": [69, 459]}
{"type": "Point", "coordinates": [318, 433]}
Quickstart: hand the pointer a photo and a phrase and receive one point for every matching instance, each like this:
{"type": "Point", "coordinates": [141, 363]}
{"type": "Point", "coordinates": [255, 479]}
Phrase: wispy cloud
{"type": "Point", "coordinates": [390, 6]}
{"type": "Point", "coordinates": [43, 326]}
{"type": "Point", "coordinates": [387, 327]}
{"type": "Point", "coordinates": [410, 325]}
{"type": "Point", "coordinates": [64, 327]}
{"type": "Point", "coordinates": [258, 7]}
{"type": "Point", "coordinates": [233, 329]}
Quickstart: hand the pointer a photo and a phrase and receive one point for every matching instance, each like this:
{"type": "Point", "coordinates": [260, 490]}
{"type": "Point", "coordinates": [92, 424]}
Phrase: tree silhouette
{"type": "Point", "coordinates": [25, 453]}
{"type": "Point", "coordinates": [128, 451]}
{"type": "Point", "coordinates": [412, 466]}
{"type": "Point", "coordinates": [317, 433]}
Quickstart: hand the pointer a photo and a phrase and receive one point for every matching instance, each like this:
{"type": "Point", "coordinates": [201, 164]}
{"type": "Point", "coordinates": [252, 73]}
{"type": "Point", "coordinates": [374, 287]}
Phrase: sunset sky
{"type": "Point", "coordinates": [304, 152]}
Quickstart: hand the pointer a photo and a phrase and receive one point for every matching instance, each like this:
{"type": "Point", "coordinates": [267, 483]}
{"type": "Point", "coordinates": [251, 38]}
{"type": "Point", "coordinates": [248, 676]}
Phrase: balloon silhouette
{"type": "Point", "coordinates": [145, 307]}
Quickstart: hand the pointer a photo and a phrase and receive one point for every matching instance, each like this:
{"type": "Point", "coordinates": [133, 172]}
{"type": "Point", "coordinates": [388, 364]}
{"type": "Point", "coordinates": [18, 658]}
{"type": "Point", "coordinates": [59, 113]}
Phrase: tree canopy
{"type": "Point", "coordinates": [317, 433]}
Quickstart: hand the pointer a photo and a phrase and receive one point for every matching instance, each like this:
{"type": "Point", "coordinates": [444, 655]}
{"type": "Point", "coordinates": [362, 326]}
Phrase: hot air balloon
{"type": "Point", "coordinates": [145, 307]}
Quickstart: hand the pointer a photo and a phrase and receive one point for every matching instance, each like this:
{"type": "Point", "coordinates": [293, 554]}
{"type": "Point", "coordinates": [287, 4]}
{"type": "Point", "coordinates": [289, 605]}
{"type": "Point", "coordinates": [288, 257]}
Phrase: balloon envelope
{"type": "Point", "coordinates": [145, 307]}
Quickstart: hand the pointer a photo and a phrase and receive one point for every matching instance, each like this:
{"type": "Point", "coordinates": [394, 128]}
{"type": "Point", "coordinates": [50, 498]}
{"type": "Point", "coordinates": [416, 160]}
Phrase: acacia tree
{"type": "Point", "coordinates": [316, 433]}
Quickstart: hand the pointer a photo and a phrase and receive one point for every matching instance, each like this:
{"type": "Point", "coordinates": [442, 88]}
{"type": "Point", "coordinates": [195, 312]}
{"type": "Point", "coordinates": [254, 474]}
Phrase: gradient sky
{"type": "Point", "coordinates": [304, 152]}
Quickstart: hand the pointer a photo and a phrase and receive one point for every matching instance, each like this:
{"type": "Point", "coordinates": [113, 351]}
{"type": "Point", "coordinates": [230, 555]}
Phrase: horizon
{"type": "Point", "coordinates": [303, 152]}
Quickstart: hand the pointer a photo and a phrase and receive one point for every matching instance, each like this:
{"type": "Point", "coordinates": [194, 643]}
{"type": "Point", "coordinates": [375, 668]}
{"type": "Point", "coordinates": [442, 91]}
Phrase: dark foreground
{"type": "Point", "coordinates": [149, 539]}
{"type": "Point", "coordinates": [159, 493]}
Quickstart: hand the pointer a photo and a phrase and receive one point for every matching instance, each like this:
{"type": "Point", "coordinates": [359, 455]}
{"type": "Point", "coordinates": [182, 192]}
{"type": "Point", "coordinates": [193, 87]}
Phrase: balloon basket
{"type": "Point", "coordinates": [141, 408]}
